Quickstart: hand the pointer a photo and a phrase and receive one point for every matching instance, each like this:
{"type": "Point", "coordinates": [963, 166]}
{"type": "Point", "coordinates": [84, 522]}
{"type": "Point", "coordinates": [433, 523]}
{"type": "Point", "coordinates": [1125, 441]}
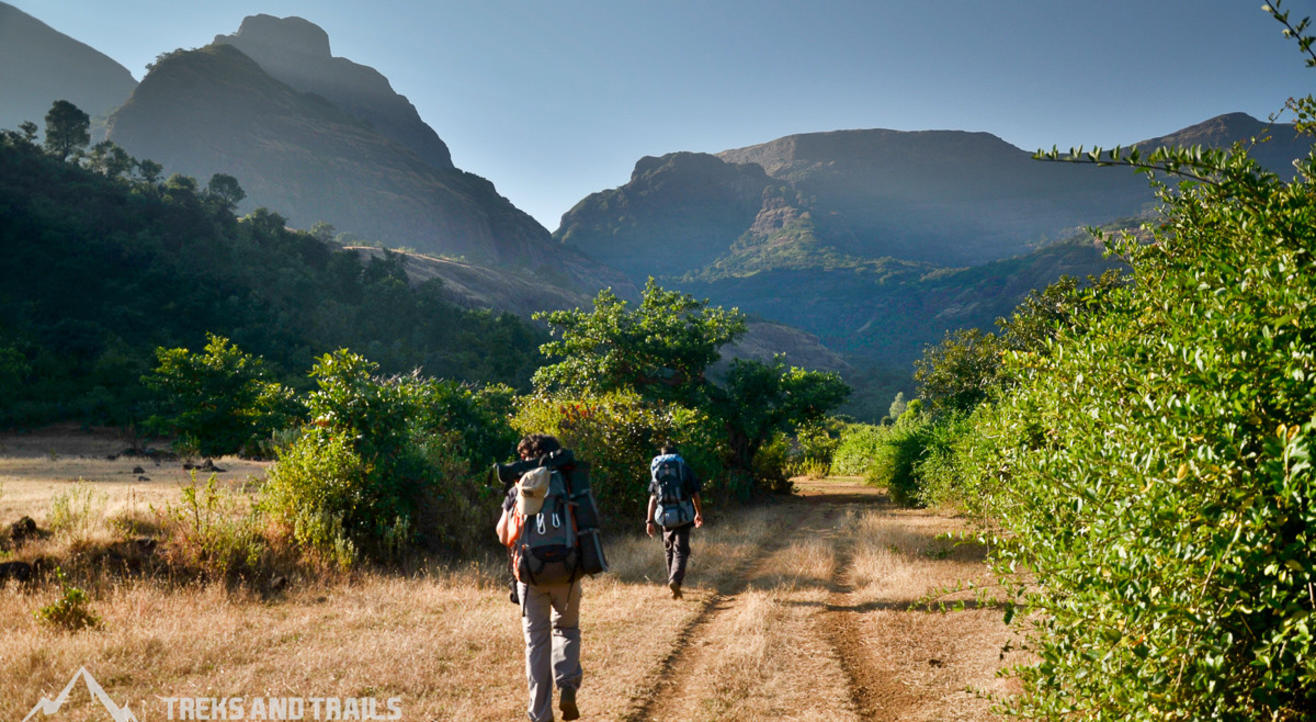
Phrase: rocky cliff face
{"type": "Point", "coordinates": [296, 52]}
{"type": "Point", "coordinates": [43, 65]}
{"type": "Point", "coordinates": [943, 196]}
{"type": "Point", "coordinates": [215, 110]}
{"type": "Point", "coordinates": [877, 241]}
{"type": "Point", "coordinates": [678, 212]}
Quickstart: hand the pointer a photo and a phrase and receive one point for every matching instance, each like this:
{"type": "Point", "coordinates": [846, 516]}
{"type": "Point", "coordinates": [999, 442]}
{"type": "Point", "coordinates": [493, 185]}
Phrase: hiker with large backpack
{"type": "Point", "coordinates": [675, 506]}
{"type": "Point", "coordinates": [550, 526]}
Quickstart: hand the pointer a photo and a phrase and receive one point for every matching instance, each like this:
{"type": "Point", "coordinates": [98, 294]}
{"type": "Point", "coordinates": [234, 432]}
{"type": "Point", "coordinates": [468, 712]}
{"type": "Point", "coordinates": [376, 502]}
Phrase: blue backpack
{"type": "Point", "coordinates": [674, 508]}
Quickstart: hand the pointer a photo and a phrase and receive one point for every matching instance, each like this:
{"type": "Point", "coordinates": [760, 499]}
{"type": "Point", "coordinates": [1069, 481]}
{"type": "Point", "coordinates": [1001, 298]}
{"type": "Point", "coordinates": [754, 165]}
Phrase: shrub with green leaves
{"type": "Point", "coordinates": [1152, 471]}
{"type": "Point", "coordinates": [618, 433]}
{"type": "Point", "coordinates": [387, 463]}
{"type": "Point", "coordinates": [218, 533]}
{"type": "Point", "coordinates": [856, 448]}
{"type": "Point", "coordinates": [896, 456]}
{"type": "Point", "coordinates": [71, 612]}
{"type": "Point", "coordinates": [220, 400]}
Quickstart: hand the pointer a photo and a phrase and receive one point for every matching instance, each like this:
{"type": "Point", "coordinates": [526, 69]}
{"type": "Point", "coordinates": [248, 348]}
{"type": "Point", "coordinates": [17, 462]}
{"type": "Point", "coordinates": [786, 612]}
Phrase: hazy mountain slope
{"type": "Point", "coordinates": [523, 294]}
{"type": "Point", "coordinates": [887, 310]}
{"type": "Point", "coordinates": [214, 110]}
{"type": "Point", "coordinates": [678, 212]}
{"type": "Point", "coordinates": [1277, 153]}
{"type": "Point", "coordinates": [42, 65]}
{"type": "Point", "coordinates": [296, 52]}
{"type": "Point", "coordinates": [949, 197]}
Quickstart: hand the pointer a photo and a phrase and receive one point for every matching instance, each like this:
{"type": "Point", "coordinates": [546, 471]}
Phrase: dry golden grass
{"type": "Point", "coordinates": [755, 638]}
{"type": "Point", "coordinates": [36, 467]}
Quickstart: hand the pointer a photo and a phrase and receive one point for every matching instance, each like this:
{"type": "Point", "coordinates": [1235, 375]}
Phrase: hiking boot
{"type": "Point", "coordinates": [567, 703]}
{"type": "Point", "coordinates": [676, 589]}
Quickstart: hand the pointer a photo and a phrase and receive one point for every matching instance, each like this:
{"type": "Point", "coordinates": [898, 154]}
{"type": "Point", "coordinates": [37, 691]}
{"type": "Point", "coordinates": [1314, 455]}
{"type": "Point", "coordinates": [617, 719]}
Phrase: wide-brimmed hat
{"type": "Point", "coordinates": [531, 490]}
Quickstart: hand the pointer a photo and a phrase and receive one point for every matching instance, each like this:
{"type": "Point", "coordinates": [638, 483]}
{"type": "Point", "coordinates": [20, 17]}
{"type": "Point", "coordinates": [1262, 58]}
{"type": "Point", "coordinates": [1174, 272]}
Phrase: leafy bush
{"type": "Point", "coordinates": [1152, 473]}
{"type": "Point", "coordinates": [218, 533]}
{"type": "Point", "coordinates": [70, 612]}
{"type": "Point", "coordinates": [618, 433]}
{"type": "Point", "coordinates": [896, 456]}
{"type": "Point", "coordinates": [772, 465]}
{"type": "Point", "coordinates": [387, 463]}
{"type": "Point", "coordinates": [219, 401]}
{"type": "Point", "coordinates": [856, 448]}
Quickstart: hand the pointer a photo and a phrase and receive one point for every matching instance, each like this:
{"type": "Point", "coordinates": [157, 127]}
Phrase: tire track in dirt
{"type": "Point", "coordinates": [673, 671]}
{"type": "Point", "coordinates": [875, 693]}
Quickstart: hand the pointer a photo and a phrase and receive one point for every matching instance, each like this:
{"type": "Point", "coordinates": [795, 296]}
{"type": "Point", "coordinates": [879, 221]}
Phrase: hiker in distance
{"type": "Point", "coordinates": [537, 528]}
{"type": "Point", "coordinates": [675, 506]}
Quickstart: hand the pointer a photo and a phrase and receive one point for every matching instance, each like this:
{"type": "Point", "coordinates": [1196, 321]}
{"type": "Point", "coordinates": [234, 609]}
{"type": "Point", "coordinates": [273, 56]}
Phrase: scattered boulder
{"type": "Point", "coordinates": [23, 530]}
{"type": "Point", "coordinates": [138, 470]}
{"type": "Point", "coordinates": [207, 465]}
{"type": "Point", "coordinates": [18, 571]}
{"type": "Point", "coordinates": [143, 478]}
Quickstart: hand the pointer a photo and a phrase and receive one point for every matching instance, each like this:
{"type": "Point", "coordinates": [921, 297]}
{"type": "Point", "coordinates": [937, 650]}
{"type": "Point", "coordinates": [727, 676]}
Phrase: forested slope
{"type": "Point", "coordinates": [99, 269]}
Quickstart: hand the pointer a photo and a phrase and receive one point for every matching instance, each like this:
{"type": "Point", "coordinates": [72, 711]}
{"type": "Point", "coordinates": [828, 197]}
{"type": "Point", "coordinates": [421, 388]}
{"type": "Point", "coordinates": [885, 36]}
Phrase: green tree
{"type": "Point", "coordinates": [661, 348]}
{"type": "Point", "coordinates": [225, 189]}
{"type": "Point", "coordinates": [108, 159]}
{"type": "Point", "coordinates": [323, 231]}
{"type": "Point", "coordinates": [149, 171]}
{"type": "Point", "coordinates": [759, 400]}
{"type": "Point", "coordinates": [29, 130]}
{"type": "Point", "coordinates": [219, 399]}
{"type": "Point", "coordinates": [898, 405]}
{"type": "Point", "coordinates": [66, 129]}
{"type": "Point", "coordinates": [266, 224]}
{"type": "Point", "coordinates": [959, 372]}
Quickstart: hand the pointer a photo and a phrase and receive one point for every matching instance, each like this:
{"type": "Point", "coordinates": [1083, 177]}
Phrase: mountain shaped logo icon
{"type": "Point", "coordinates": [48, 707]}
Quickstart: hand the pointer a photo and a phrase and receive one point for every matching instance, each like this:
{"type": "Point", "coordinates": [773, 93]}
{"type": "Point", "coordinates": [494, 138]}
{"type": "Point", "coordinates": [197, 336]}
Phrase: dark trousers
{"type": "Point", "coordinates": [677, 543]}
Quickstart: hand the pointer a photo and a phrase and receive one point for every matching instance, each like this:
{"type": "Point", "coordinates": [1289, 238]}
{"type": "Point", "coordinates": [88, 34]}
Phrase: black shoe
{"type": "Point", "coordinates": [567, 703]}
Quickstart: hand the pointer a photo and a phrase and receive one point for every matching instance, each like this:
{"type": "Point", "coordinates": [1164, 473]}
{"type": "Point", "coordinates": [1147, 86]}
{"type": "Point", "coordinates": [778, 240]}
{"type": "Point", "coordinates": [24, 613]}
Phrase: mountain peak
{"type": "Point", "coordinates": [42, 65]}
{"type": "Point", "coordinates": [295, 51]}
{"type": "Point", "coordinates": [290, 34]}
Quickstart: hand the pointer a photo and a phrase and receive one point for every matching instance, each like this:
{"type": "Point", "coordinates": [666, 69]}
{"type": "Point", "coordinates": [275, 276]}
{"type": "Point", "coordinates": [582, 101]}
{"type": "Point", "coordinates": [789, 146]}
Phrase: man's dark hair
{"type": "Point", "coordinates": [668, 447]}
{"type": "Point", "coordinates": [537, 445]}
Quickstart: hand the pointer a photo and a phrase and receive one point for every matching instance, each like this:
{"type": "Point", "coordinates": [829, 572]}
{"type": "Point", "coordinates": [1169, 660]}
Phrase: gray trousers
{"type": "Point", "coordinates": [676, 542]}
{"type": "Point", "coordinates": [550, 617]}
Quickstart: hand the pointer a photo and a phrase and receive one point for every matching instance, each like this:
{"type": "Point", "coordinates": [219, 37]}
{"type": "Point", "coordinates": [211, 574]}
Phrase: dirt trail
{"type": "Point", "coordinates": [818, 623]}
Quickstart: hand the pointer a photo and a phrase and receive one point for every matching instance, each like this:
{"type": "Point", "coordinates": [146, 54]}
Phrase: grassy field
{"type": "Point", "coordinates": [799, 609]}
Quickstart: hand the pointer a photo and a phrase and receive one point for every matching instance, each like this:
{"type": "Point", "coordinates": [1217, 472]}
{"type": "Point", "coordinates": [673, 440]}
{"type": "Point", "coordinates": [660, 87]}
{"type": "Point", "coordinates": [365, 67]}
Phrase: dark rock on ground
{"type": "Point", "coordinates": [18, 571]}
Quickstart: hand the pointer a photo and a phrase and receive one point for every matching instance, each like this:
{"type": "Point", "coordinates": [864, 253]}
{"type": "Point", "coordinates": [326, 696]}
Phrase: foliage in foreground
{"type": "Point", "coordinates": [1150, 469]}
{"type": "Point", "coordinates": [71, 611]}
{"type": "Point", "coordinates": [386, 464]}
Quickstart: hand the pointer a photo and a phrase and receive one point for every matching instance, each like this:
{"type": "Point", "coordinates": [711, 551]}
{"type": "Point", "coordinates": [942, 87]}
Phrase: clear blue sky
{"type": "Point", "coordinates": [555, 99]}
